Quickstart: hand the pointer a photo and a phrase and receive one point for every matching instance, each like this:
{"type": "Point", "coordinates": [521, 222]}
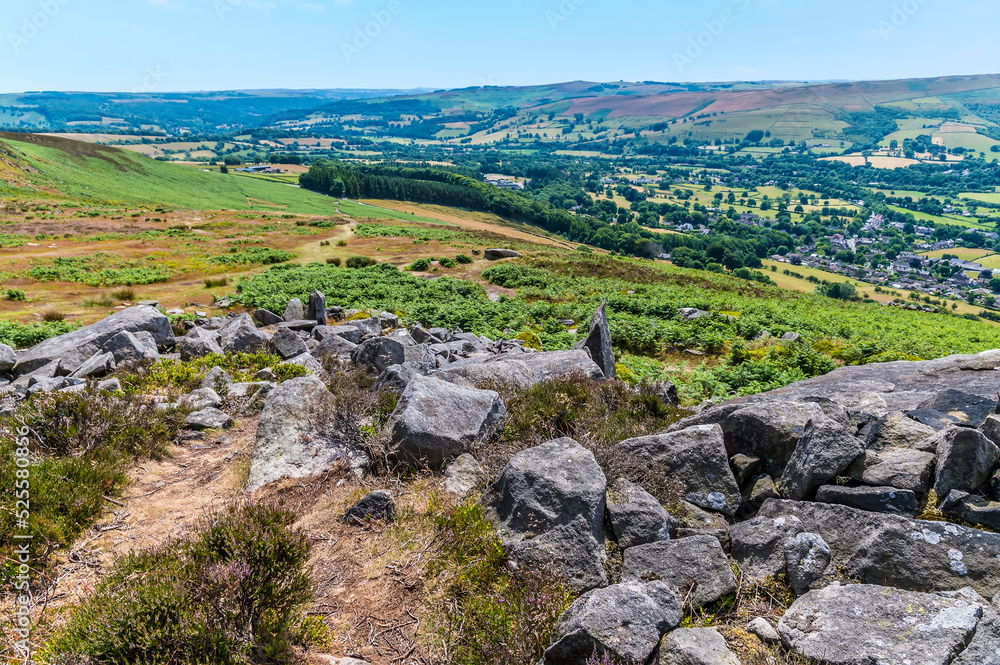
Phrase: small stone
{"type": "Point", "coordinates": [763, 629]}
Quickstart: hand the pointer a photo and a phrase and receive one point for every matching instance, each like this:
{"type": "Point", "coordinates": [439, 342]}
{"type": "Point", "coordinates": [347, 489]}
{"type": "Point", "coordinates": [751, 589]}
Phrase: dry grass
{"type": "Point", "coordinates": [216, 282]}
{"type": "Point", "coordinates": [52, 315]}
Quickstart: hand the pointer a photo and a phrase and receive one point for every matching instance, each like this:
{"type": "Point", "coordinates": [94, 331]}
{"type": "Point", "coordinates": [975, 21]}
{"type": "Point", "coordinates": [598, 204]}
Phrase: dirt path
{"type": "Point", "coordinates": [450, 216]}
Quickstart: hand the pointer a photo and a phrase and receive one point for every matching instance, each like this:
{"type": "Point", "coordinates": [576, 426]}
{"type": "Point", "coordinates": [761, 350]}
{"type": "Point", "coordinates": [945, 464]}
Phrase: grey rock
{"type": "Point", "coordinates": [97, 366]}
{"type": "Point", "coordinates": [895, 467]}
{"type": "Point", "coordinates": [197, 344]}
{"type": "Point", "coordinates": [388, 320]}
{"type": "Point", "coordinates": [7, 358]}
{"type": "Point", "coordinates": [696, 458]}
{"type": "Point", "coordinates": [598, 342]}
{"type": "Point", "coordinates": [872, 499]}
{"type": "Point", "coordinates": [74, 348]}
{"type": "Point", "coordinates": [897, 430]}
{"type": "Point", "coordinates": [569, 550]}
{"type": "Point", "coordinates": [50, 384]}
{"type": "Point", "coordinates": [217, 379]}
{"type": "Point", "coordinates": [636, 517]}
{"type": "Point", "coordinates": [377, 505]}
{"type": "Point", "coordinates": [294, 311]}
{"type": "Point", "coordinates": [696, 566]}
{"type": "Point", "coordinates": [301, 325]}
{"type": "Point", "coordinates": [295, 436]}
{"type": "Point", "coordinates": [202, 398]}
{"type": "Point", "coordinates": [744, 467]}
{"type": "Point", "coordinates": [497, 254]}
{"type": "Point", "coordinates": [421, 336]}
{"type": "Point", "coordinates": [991, 428]}
{"type": "Point", "coordinates": [955, 406]}
{"type": "Point", "coordinates": [763, 629]}
{"type": "Point", "coordinates": [463, 475]}
{"type": "Point", "coordinates": [288, 343]}
{"type": "Point", "coordinates": [306, 360]}
{"type": "Point", "coordinates": [240, 335]}
{"type": "Point", "coordinates": [380, 353]}
{"type": "Point", "coordinates": [48, 371]}
{"type": "Point", "coordinates": [209, 418]}
{"type": "Point", "coordinates": [109, 386]}
{"type": "Point", "coordinates": [350, 333]}
{"type": "Point", "coordinates": [316, 309]}
{"type": "Point", "coordinates": [984, 649]}
{"type": "Point", "coordinates": [696, 646]}
{"type": "Point", "coordinates": [965, 460]}
{"type": "Point", "coordinates": [128, 346]}
{"type": "Point", "coordinates": [524, 370]}
{"type": "Point", "coordinates": [396, 378]}
{"type": "Point", "coordinates": [334, 346]}
{"type": "Point", "coordinates": [807, 556]}
{"type": "Point", "coordinates": [435, 421]}
{"type": "Point", "coordinates": [549, 486]}
{"type": "Point", "coordinates": [266, 317]}
{"type": "Point", "coordinates": [972, 509]}
{"type": "Point", "coordinates": [692, 313]}
{"type": "Point", "coordinates": [791, 337]}
{"type": "Point", "coordinates": [824, 451]}
{"type": "Point", "coordinates": [624, 622]}
{"type": "Point", "coordinates": [873, 548]}
{"type": "Point", "coordinates": [847, 625]}
{"type": "Point", "coordinates": [762, 489]}
{"type": "Point", "coordinates": [366, 327]}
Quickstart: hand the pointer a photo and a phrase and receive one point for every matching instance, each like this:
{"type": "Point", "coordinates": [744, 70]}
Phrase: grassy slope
{"type": "Point", "coordinates": [118, 177]}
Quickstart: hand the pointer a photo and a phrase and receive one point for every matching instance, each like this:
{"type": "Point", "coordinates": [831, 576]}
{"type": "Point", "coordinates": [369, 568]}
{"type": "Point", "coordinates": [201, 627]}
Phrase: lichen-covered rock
{"type": "Point", "coordinates": [823, 452]}
{"type": "Point", "coordinates": [848, 625]}
{"type": "Point", "coordinates": [636, 517]}
{"type": "Point", "coordinates": [569, 550]}
{"type": "Point", "coordinates": [623, 622]}
{"type": "Point", "coordinates": [965, 460]}
{"type": "Point", "coordinates": [695, 566]}
{"type": "Point", "coordinates": [288, 343]}
{"type": "Point", "coordinates": [696, 646]}
{"type": "Point", "coordinates": [435, 421]}
{"type": "Point", "coordinates": [872, 499]}
{"type": "Point", "coordinates": [524, 370]}
{"type": "Point", "coordinates": [598, 342]}
{"type": "Point", "coordinates": [901, 468]}
{"type": "Point", "coordinates": [463, 475]}
{"type": "Point", "coordinates": [240, 335]}
{"type": "Point", "coordinates": [807, 556]}
{"type": "Point", "coordinates": [696, 458]}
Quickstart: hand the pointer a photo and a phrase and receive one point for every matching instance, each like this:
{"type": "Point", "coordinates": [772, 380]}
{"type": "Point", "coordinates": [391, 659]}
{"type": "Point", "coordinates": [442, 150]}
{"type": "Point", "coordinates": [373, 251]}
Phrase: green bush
{"type": "Point", "coordinates": [447, 263]}
{"type": "Point", "coordinates": [464, 259]}
{"type": "Point", "coordinates": [22, 335]}
{"type": "Point", "coordinates": [256, 256]}
{"type": "Point", "coordinates": [335, 261]}
{"type": "Point", "coordinates": [233, 593]}
{"type": "Point", "coordinates": [16, 294]}
{"type": "Point", "coordinates": [420, 265]}
{"type": "Point", "coordinates": [360, 262]}
{"type": "Point", "coordinates": [178, 375]}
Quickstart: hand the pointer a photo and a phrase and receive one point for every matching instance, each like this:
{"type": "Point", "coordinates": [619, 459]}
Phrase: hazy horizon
{"type": "Point", "coordinates": [213, 45]}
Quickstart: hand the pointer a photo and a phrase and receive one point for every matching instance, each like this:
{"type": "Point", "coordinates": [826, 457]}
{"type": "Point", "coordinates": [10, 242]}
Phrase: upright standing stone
{"type": "Point", "coordinates": [316, 311]}
{"type": "Point", "coordinates": [598, 342]}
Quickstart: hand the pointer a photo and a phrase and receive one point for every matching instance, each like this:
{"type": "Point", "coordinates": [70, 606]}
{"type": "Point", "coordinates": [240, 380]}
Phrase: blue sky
{"type": "Point", "coordinates": [168, 45]}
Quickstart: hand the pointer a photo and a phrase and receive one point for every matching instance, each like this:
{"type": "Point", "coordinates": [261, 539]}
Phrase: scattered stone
{"type": "Point", "coordinates": [463, 475]}
{"type": "Point", "coordinates": [377, 505]}
{"type": "Point", "coordinates": [524, 370]}
{"type": "Point", "coordinates": [972, 509]}
{"type": "Point", "coordinates": [692, 314]}
{"type": "Point", "coordinates": [623, 622]}
{"type": "Point", "coordinates": [636, 517]}
{"type": "Point", "coordinates": [897, 430]}
{"type": "Point", "coordinates": [846, 625]}
{"type": "Point", "coordinates": [74, 348]}
{"type": "Point", "coordinates": [965, 460]}
{"type": "Point", "coordinates": [807, 556]}
{"type": "Point", "coordinates": [598, 342]}
{"type": "Point", "coordinates": [266, 318]}
{"type": "Point", "coordinates": [294, 311]}
{"type": "Point", "coordinates": [97, 366]}
{"type": "Point", "coordinates": [197, 344]}
{"type": "Point", "coordinates": [217, 379]}
{"type": "Point", "coordinates": [240, 335]}
{"type": "Point", "coordinates": [366, 327]}
{"type": "Point", "coordinates": [695, 566]}
{"type": "Point", "coordinates": [763, 629]}
{"type": "Point", "coordinates": [497, 254]}
{"type": "Point", "coordinates": [570, 550]}
{"type": "Point", "coordinates": [266, 374]}
{"type": "Point", "coordinates": [295, 435]}
{"type": "Point", "coordinates": [109, 386]}
{"type": "Point", "coordinates": [823, 452]}
{"type": "Point", "coordinates": [306, 360]}
{"type": "Point", "coordinates": [202, 398]}
{"type": "Point", "coordinates": [695, 646]}
{"type": "Point", "coordinates": [209, 418]}
{"type": "Point", "coordinates": [872, 499]}
{"type": "Point", "coordinates": [895, 467]}
{"type": "Point", "coordinates": [696, 458]}
{"type": "Point", "coordinates": [7, 358]}
{"type": "Point", "coordinates": [288, 344]}
{"type": "Point", "coordinates": [435, 421]}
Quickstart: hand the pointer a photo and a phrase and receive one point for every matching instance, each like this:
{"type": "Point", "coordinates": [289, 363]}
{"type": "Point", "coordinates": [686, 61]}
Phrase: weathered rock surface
{"type": "Point", "coordinates": [872, 499]}
{"type": "Point", "coordinates": [377, 505]}
{"type": "Point", "coordinates": [901, 468]}
{"type": "Point", "coordinates": [965, 460]}
{"type": "Point", "coordinates": [623, 622]}
{"type": "Point", "coordinates": [524, 370]}
{"type": "Point", "coordinates": [197, 344]}
{"type": "Point", "coordinates": [240, 335]}
{"type": "Point", "coordinates": [288, 343]}
{"type": "Point", "coordinates": [897, 430]}
{"type": "Point", "coordinates": [598, 342]}
{"type": "Point", "coordinates": [823, 452]}
{"type": "Point", "coordinates": [73, 348]}
{"type": "Point", "coordinates": [807, 556]}
{"type": "Point", "coordinates": [435, 420]}
{"type": "Point", "coordinates": [266, 317]}
{"type": "Point", "coordinates": [696, 646]}
{"type": "Point", "coordinates": [695, 566]}
{"type": "Point", "coordinates": [569, 550]}
{"type": "Point", "coordinates": [97, 366]}
{"type": "Point", "coordinates": [636, 517]}
{"type": "Point", "coordinates": [847, 625]}
{"type": "Point", "coordinates": [463, 475]}
{"type": "Point", "coordinates": [497, 254]}
{"type": "Point", "coordinates": [208, 418]}
{"type": "Point", "coordinates": [874, 548]}
{"type": "Point", "coordinates": [7, 358]}
{"type": "Point", "coordinates": [972, 509]}
{"type": "Point", "coordinates": [294, 311]}
{"type": "Point", "coordinates": [696, 458]}
{"type": "Point", "coordinates": [295, 437]}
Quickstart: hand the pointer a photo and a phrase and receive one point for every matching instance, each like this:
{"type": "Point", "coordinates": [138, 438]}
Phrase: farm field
{"type": "Point", "coordinates": [964, 253]}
